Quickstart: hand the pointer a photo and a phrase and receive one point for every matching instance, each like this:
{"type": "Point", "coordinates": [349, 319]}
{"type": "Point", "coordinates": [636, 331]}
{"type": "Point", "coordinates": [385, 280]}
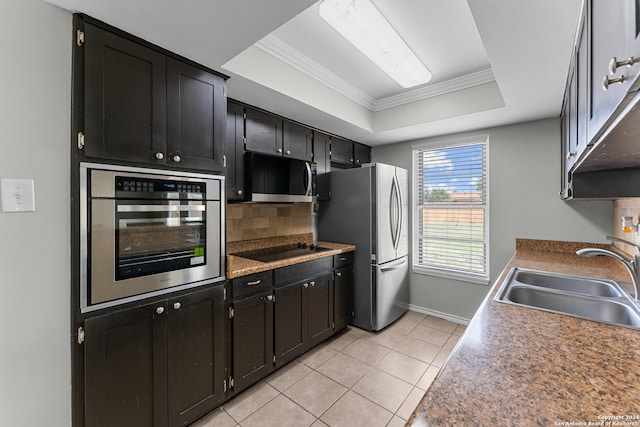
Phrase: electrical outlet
{"type": "Point", "coordinates": [18, 195]}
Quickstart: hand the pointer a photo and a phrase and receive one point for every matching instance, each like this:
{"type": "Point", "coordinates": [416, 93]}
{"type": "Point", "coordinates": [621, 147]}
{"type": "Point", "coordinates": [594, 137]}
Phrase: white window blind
{"type": "Point", "coordinates": [451, 210]}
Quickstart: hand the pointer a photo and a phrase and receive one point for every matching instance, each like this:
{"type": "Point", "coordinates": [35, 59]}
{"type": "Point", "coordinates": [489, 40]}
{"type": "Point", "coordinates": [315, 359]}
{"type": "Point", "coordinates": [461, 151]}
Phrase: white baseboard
{"type": "Point", "coordinates": [445, 316]}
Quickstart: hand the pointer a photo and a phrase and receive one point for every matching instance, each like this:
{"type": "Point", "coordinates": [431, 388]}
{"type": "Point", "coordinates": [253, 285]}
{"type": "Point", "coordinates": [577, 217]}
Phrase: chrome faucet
{"type": "Point", "coordinates": [631, 264]}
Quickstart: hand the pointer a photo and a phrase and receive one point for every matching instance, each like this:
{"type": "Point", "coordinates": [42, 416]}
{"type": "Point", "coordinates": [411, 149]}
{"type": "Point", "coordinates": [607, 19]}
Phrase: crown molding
{"type": "Point", "coordinates": [282, 51]}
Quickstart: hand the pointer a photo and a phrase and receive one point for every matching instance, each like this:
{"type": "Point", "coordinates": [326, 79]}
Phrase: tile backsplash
{"type": "Point", "coordinates": [625, 207]}
{"type": "Point", "coordinates": [249, 221]}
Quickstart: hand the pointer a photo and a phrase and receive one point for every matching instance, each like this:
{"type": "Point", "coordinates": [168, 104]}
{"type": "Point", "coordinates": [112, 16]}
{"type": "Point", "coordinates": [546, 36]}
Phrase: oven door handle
{"type": "Point", "coordinates": [160, 208]}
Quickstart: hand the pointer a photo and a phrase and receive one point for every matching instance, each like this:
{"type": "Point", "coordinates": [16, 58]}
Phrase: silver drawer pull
{"type": "Point", "coordinates": [343, 258]}
{"type": "Point", "coordinates": [257, 282]}
{"type": "Point", "coordinates": [339, 274]}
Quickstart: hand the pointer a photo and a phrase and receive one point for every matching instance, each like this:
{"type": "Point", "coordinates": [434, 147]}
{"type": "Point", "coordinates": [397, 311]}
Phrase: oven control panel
{"type": "Point", "coordinates": [148, 185]}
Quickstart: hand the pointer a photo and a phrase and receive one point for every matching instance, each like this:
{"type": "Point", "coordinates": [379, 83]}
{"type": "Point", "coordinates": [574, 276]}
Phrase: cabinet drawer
{"type": "Point", "coordinates": [343, 259]}
{"type": "Point", "coordinates": [302, 271]}
{"type": "Point", "coordinates": [252, 283]}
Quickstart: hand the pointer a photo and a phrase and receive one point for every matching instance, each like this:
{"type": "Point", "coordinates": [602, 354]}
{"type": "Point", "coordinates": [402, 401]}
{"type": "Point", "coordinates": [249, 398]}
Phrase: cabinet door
{"type": "Point", "coordinates": [297, 141]}
{"type": "Point", "coordinates": [341, 151]}
{"type": "Point", "coordinates": [571, 118]}
{"type": "Point", "coordinates": [319, 309]}
{"type": "Point", "coordinates": [608, 33]}
{"type": "Point", "coordinates": [234, 151]}
{"type": "Point", "coordinates": [252, 330]}
{"type": "Point", "coordinates": [361, 154]}
{"type": "Point", "coordinates": [196, 354]}
{"type": "Point", "coordinates": [632, 27]}
{"type": "Point", "coordinates": [343, 297]}
{"type": "Point", "coordinates": [196, 111]}
{"type": "Point", "coordinates": [126, 368]}
{"type": "Point", "coordinates": [290, 322]}
{"type": "Point", "coordinates": [124, 99]}
{"type": "Point", "coordinates": [263, 132]}
{"type": "Point", "coordinates": [322, 159]}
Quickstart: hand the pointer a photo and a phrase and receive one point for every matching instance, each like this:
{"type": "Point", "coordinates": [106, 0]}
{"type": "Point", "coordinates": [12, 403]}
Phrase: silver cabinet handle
{"type": "Point", "coordinates": [159, 156]}
{"type": "Point", "coordinates": [269, 297]}
{"type": "Point", "coordinates": [177, 305]}
{"type": "Point", "coordinates": [176, 158]}
{"type": "Point", "coordinates": [339, 274]}
{"type": "Point", "coordinates": [160, 310]}
{"type": "Point", "coordinates": [306, 285]}
{"type": "Point", "coordinates": [343, 258]}
{"type": "Point", "coordinates": [239, 192]}
{"type": "Point", "coordinates": [280, 150]}
{"type": "Point", "coordinates": [312, 283]}
{"type": "Point", "coordinates": [287, 152]}
{"type": "Point", "coordinates": [607, 81]}
{"type": "Point", "coordinates": [571, 154]}
{"type": "Point", "coordinates": [614, 64]}
{"type": "Point", "coordinates": [257, 282]}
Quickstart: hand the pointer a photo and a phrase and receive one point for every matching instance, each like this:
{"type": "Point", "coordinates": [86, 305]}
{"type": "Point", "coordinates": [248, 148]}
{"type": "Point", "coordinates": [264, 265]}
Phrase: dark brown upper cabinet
{"type": "Point", "coordinates": [125, 95]}
{"type": "Point", "coordinates": [196, 110]}
{"type": "Point", "coordinates": [263, 132]}
{"type": "Point", "coordinates": [341, 151]}
{"type": "Point", "coordinates": [272, 135]}
{"type": "Point", "coordinates": [297, 141]}
{"type": "Point", "coordinates": [361, 154]}
{"type": "Point", "coordinates": [234, 151]}
{"type": "Point", "coordinates": [322, 159]}
{"type": "Point", "coordinates": [143, 105]}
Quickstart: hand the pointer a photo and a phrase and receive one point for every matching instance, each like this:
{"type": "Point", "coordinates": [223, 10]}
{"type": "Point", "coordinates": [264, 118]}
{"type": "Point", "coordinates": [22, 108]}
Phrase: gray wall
{"type": "Point", "coordinates": [35, 97]}
{"type": "Point", "coordinates": [524, 181]}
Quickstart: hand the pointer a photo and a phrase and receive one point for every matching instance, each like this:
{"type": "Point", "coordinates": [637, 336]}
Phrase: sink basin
{"type": "Point", "coordinates": [598, 309]}
{"type": "Point", "coordinates": [593, 299]}
{"type": "Point", "coordinates": [575, 284]}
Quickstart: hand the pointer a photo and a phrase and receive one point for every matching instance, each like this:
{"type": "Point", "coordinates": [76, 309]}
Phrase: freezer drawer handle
{"type": "Point", "coordinates": [394, 267]}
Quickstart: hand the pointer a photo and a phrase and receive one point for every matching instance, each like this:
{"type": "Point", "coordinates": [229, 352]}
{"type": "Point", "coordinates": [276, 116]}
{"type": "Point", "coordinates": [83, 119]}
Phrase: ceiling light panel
{"type": "Point", "coordinates": [360, 22]}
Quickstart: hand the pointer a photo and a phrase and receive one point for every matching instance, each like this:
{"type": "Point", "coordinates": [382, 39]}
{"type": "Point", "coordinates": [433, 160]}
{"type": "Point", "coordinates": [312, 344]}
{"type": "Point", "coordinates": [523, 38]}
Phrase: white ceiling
{"type": "Point", "coordinates": [494, 62]}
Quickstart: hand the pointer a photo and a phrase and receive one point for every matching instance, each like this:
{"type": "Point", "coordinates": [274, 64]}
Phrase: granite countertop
{"type": "Point", "coordinates": [238, 266]}
{"type": "Point", "coordinates": [519, 366]}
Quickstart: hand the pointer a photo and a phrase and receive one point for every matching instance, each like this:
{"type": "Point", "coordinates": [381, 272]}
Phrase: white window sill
{"type": "Point", "coordinates": [471, 278]}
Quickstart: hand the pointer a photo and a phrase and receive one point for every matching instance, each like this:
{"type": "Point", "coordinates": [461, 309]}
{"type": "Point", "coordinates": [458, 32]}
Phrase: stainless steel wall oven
{"type": "Point", "coordinates": [145, 232]}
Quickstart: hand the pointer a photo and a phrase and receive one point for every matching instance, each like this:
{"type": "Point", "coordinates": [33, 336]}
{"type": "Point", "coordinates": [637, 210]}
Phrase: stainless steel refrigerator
{"type": "Point", "coordinates": [368, 208]}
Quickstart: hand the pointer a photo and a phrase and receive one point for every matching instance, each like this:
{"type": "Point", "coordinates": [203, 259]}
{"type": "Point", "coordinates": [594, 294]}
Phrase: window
{"type": "Point", "coordinates": [450, 234]}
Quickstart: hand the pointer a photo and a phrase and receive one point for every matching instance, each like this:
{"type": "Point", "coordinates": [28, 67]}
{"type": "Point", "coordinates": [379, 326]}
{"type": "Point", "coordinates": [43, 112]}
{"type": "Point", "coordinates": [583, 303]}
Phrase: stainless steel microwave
{"type": "Point", "coordinates": [278, 179]}
{"type": "Point", "coordinates": [146, 232]}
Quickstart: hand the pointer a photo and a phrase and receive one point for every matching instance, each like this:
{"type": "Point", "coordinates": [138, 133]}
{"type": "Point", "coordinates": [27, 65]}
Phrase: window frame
{"type": "Point", "coordinates": [443, 272]}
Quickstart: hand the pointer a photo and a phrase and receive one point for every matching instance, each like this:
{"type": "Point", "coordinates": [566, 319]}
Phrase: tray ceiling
{"type": "Point", "coordinates": [494, 62]}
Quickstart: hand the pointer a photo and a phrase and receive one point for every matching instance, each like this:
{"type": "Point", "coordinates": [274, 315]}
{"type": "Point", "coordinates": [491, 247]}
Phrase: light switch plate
{"type": "Point", "coordinates": [18, 195]}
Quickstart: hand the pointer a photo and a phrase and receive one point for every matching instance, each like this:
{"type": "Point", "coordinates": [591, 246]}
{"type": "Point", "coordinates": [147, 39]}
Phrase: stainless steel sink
{"type": "Point", "coordinates": [593, 299]}
{"type": "Point", "coordinates": [575, 284]}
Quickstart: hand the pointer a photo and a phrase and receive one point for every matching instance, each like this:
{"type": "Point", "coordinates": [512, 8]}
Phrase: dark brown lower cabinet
{"type": "Point", "coordinates": [162, 364]}
{"type": "Point", "coordinates": [252, 336]}
{"type": "Point", "coordinates": [303, 316]}
{"type": "Point", "coordinates": [290, 325]}
{"type": "Point", "coordinates": [196, 355]}
{"type": "Point", "coordinates": [319, 309]}
{"type": "Point", "coordinates": [343, 296]}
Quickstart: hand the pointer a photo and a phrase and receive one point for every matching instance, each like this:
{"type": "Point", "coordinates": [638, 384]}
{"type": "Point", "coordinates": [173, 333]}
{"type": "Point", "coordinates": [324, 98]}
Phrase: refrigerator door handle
{"type": "Point", "coordinates": [394, 267]}
{"type": "Point", "coordinates": [392, 213]}
{"type": "Point", "coordinates": [395, 213]}
{"type": "Point", "coordinates": [400, 213]}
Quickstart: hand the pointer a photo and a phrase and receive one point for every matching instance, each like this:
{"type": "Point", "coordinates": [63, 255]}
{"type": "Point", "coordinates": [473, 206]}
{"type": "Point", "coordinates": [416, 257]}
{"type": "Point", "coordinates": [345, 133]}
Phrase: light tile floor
{"type": "Point", "coordinates": [356, 378]}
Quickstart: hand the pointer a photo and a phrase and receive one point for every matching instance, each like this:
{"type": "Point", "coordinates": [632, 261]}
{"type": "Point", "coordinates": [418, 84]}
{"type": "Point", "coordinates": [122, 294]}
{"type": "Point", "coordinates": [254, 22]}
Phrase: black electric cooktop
{"type": "Point", "coordinates": [279, 253]}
